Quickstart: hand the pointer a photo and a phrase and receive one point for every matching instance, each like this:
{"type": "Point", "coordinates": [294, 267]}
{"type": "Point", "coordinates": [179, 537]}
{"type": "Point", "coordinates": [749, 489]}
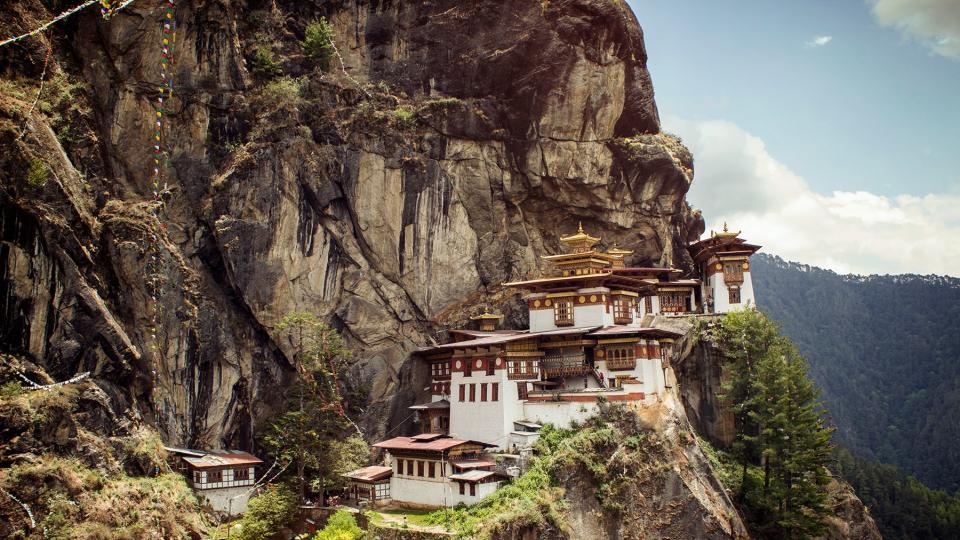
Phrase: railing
{"type": "Point", "coordinates": [563, 366]}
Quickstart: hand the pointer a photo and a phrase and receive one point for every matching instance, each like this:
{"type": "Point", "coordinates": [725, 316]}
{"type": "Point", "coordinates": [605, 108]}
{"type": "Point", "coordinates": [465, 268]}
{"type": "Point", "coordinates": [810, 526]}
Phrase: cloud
{"type": "Point", "coordinates": [934, 23]}
{"type": "Point", "coordinates": [819, 41]}
{"type": "Point", "coordinates": [739, 182]}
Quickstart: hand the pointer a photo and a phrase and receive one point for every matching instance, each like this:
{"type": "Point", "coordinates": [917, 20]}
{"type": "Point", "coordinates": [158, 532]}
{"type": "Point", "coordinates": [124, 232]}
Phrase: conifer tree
{"type": "Point", "coordinates": [780, 430]}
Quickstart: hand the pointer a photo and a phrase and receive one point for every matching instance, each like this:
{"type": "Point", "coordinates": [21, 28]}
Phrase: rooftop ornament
{"type": "Point", "coordinates": [580, 242]}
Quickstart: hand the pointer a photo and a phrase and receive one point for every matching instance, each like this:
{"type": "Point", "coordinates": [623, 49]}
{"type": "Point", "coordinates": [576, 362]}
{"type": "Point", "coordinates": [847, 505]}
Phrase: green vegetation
{"type": "Point", "coordinates": [313, 433]}
{"type": "Point", "coordinates": [72, 500]}
{"type": "Point", "coordinates": [263, 64]}
{"type": "Point", "coordinates": [266, 514]}
{"type": "Point", "coordinates": [885, 351]}
{"type": "Point", "coordinates": [403, 117]}
{"type": "Point", "coordinates": [37, 174]}
{"type": "Point", "coordinates": [595, 454]}
{"type": "Point", "coordinates": [903, 508]}
{"type": "Point", "coordinates": [318, 43]}
{"type": "Point", "coordinates": [781, 445]}
{"type": "Point", "coordinates": [10, 389]}
{"type": "Point", "coordinates": [279, 94]}
{"type": "Point", "coordinates": [341, 526]}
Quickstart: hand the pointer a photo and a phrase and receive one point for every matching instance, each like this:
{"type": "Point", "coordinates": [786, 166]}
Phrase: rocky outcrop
{"type": "Point", "coordinates": [391, 193]}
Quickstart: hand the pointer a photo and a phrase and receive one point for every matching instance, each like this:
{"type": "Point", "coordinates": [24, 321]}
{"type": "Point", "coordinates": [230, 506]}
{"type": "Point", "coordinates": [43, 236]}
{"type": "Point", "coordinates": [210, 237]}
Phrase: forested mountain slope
{"type": "Point", "coordinates": [886, 352]}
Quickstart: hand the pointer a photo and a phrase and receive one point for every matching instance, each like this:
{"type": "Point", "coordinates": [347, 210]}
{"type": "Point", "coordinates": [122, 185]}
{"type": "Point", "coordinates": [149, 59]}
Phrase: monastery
{"type": "Point", "coordinates": [590, 340]}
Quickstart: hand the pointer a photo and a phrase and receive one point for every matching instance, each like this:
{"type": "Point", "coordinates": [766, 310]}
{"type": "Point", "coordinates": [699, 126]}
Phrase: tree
{"type": "Point", "coordinates": [318, 43]}
{"type": "Point", "coordinates": [312, 433]}
{"type": "Point", "coordinates": [780, 429]}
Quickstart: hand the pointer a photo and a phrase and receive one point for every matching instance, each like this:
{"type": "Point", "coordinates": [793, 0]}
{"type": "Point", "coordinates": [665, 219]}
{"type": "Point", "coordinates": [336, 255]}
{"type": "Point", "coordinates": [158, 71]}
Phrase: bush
{"type": "Point", "coordinates": [263, 64]}
{"type": "Point", "coordinates": [404, 118]}
{"type": "Point", "coordinates": [37, 174]}
{"type": "Point", "coordinates": [11, 389]}
{"type": "Point", "coordinates": [340, 526]}
{"type": "Point", "coordinates": [318, 43]}
{"type": "Point", "coordinates": [267, 513]}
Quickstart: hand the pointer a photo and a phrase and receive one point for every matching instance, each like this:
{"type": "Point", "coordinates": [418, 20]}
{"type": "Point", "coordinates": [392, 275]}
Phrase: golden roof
{"type": "Point", "coordinates": [726, 233]}
{"type": "Point", "coordinates": [485, 316]}
{"type": "Point", "coordinates": [580, 239]}
{"type": "Point", "coordinates": [615, 250]}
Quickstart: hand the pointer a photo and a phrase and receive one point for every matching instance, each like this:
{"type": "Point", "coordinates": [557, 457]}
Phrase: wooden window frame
{"type": "Point", "coordinates": [242, 473]}
{"type": "Point", "coordinates": [473, 392]}
{"type": "Point", "coordinates": [522, 391]}
{"type": "Point", "coordinates": [622, 310]}
{"type": "Point", "coordinates": [563, 312]}
{"type": "Point", "coordinates": [495, 392]}
{"type": "Point", "coordinates": [420, 468]}
{"type": "Point", "coordinates": [432, 469]}
{"type": "Point", "coordinates": [463, 393]}
{"type": "Point", "coordinates": [483, 391]}
{"type": "Point", "coordinates": [621, 358]}
{"type": "Point", "coordinates": [491, 366]}
{"type": "Point", "coordinates": [473, 489]}
{"type": "Point", "coordinates": [733, 295]}
{"type": "Point", "coordinates": [409, 467]}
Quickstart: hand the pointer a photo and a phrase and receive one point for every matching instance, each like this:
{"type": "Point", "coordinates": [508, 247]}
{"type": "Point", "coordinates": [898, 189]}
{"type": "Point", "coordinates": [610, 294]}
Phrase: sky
{"type": "Point", "coordinates": [826, 130]}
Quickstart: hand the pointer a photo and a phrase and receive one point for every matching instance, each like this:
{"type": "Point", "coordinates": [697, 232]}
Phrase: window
{"type": "Point", "coordinates": [446, 389]}
{"type": "Point", "coordinates": [440, 369]}
{"type": "Point", "coordinates": [563, 312]}
{"type": "Point", "coordinates": [467, 367]}
{"type": "Point", "coordinates": [431, 469]}
{"type": "Point", "coordinates": [648, 304]}
{"type": "Point", "coordinates": [241, 474]}
{"type": "Point", "coordinates": [491, 366]}
{"type": "Point", "coordinates": [197, 478]}
{"type": "Point", "coordinates": [522, 390]}
{"type": "Point", "coordinates": [521, 369]}
{"type": "Point", "coordinates": [462, 392]}
{"type": "Point", "coordinates": [734, 295]}
{"type": "Point", "coordinates": [621, 358]}
{"type": "Point", "coordinates": [409, 467]}
{"type": "Point", "coordinates": [495, 392]}
{"type": "Point", "coordinates": [383, 491]}
{"type": "Point", "coordinates": [461, 487]}
{"type": "Point", "coordinates": [399, 466]}
{"type": "Point", "coordinates": [473, 490]}
{"type": "Point", "coordinates": [483, 392]}
{"type": "Point", "coordinates": [732, 272]}
{"type": "Point", "coordinates": [473, 392]}
{"type": "Point", "coordinates": [419, 468]}
{"type": "Point", "coordinates": [622, 310]}
{"type": "Point", "coordinates": [215, 476]}
{"type": "Point", "coordinates": [675, 302]}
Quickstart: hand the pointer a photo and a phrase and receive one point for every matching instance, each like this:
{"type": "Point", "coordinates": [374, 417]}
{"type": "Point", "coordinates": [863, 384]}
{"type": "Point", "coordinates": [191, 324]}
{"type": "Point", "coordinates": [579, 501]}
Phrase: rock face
{"type": "Point", "coordinates": [390, 194]}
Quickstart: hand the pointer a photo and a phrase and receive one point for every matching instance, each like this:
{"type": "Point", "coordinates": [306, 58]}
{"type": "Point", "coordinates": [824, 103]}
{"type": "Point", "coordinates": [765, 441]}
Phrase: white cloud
{"type": "Point", "coordinates": [739, 182]}
{"type": "Point", "coordinates": [935, 23]}
{"type": "Point", "coordinates": [819, 41]}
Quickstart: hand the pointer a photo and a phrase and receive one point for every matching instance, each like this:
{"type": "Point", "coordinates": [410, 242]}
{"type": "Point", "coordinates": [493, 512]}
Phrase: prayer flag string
{"type": "Point", "coordinates": [107, 10]}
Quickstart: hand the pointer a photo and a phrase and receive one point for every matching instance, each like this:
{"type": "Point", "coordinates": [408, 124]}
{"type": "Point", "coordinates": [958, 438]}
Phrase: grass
{"type": "Point", "coordinates": [414, 517]}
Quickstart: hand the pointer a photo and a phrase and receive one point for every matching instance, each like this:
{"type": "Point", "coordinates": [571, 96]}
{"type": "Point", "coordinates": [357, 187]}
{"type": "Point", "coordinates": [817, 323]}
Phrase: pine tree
{"type": "Point", "coordinates": [781, 440]}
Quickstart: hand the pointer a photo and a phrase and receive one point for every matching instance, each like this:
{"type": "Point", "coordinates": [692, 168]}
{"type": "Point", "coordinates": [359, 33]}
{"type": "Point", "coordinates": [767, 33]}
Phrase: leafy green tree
{"type": "Point", "coordinates": [318, 43]}
{"type": "Point", "coordinates": [340, 526]}
{"type": "Point", "coordinates": [312, 433]}
{"type": "Point", "coordinates": [780, 429]}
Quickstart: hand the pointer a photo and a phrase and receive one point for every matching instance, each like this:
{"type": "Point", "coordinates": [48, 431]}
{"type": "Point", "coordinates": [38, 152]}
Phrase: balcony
{"type": "Point", "coordinates": [569, 365]}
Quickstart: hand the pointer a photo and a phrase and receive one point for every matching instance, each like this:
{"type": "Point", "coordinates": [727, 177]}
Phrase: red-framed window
{"type": "Point", "coordinates": [483, 392]}
{"type": "Point", "coordinates": [495, 392]}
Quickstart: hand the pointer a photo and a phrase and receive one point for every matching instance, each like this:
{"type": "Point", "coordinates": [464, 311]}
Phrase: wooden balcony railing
{"type": "Point", "coordinates": [564, 366]}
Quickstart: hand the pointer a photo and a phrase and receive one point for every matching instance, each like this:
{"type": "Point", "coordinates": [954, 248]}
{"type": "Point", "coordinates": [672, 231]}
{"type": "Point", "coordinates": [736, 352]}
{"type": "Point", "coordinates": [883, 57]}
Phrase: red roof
{"type": "Point", "coordinates": [435, 445]}
{"type": "Point", "coordinates": [624, 330]}
{"type": "Point", "coordinates": [473, 464]}
{"type": "Point", "coordinates": [370, 474]}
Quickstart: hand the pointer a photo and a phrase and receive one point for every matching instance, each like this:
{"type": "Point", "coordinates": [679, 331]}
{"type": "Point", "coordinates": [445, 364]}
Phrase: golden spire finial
{"type": "Point", "coordinates": [725, 229]}
{"type": "Point", "coordinates": [580, 227]}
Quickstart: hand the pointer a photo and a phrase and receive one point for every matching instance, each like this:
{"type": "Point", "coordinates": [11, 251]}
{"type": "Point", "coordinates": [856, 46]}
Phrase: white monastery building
{"type": "Point", "coordinates": [222, 479]}
{"type": "Point", "coordinates": [491, 390]}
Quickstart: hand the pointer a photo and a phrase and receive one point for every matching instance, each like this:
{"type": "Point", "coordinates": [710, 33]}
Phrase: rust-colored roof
{"type": "Point", "coordinates": [467, 464]}
{"type": "Point", "coordinates": [370, 474]}
{"type": "Point", "coordinates": [472, 476]}
{"type": "Point", "coordinates": [620, 330]}
{"type": "Point", "coordinates": [223, 458]}
{"type": "Point", "coordinates": [434, 445]}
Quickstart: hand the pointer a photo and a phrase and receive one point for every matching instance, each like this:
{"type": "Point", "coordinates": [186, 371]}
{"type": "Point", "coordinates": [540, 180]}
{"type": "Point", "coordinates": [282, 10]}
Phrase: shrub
{"type": "Point", "coordinates": [404, 118]}
{"type": "Point", "coordinates": [11, 389]}
{"type": "Point", "coordinates": [263, 64]}
{"type": "Point", "coordinates": [268, 513]}
{"type": "Point", "coordinates": [340, 526]}
{"type": "Point", "coordinates": [282, 93]}
{"type": "Point", "coordinates": [318, 43]}
{"type": "Point", "coordinates": [37, 174]}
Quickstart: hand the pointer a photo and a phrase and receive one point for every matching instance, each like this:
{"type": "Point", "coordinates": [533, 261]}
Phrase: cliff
{"type": "Point", "coordinates": [390, 194]}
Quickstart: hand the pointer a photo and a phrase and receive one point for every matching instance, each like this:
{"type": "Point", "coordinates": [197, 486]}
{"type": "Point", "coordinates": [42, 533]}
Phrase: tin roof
{"type": "Point", "coordinates": [621, 330]}
{"type": "Point", "coordinates": [184, 451]}
{"type": "Point", "coordinates": [441, 404]}
{"type": "Point", "coordinates": [436, 445]}
{"type": "Point", "coordinates": [466, 464]}
{"type": "Point", "coordinates": [472, 476]}
{"type": "Point", "coordinates": [220, 458]}
{"type": "Point", "coordinates": [370, 474]}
